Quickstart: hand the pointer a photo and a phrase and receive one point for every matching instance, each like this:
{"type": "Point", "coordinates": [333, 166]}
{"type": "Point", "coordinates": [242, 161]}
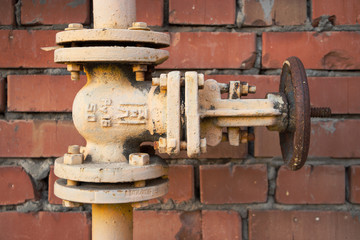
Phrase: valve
{"type": "Point", "coordinates": [119, 108]}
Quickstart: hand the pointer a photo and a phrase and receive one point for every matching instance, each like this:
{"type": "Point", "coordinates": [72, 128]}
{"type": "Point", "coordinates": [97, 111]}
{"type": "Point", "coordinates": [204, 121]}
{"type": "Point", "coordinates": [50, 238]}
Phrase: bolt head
{"type": "Point", "coordinates": [74, 26]}
{"type": "Point", "coordinates": [139, 26]}
{"type": "Point", "coordinates": [139, 159]}
{"type": "Point", "coordinates": [73, 159]}
{"type": "Point", "coordinates": [74, 149]}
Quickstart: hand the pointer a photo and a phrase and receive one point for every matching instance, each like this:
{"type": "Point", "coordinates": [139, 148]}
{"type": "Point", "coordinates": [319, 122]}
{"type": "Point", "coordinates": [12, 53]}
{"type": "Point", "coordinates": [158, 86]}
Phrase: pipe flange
{"type": "Point", "coordinates": [110, 54]}
{"type": "Point", "coordinates": [121, 36]}
{"type": "Point", "coordinates": [110, 172]}
{"type": "Point", "coordinates": [110, 193]}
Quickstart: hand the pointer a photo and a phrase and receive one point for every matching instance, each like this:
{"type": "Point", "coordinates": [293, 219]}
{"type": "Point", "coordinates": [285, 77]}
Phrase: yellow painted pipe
{"type": "Point", "coordinates": [112, 221]}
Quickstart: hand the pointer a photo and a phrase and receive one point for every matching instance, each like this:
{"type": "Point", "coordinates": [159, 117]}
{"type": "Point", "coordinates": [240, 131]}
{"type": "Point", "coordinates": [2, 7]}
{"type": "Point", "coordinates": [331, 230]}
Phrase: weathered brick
{"type": "Point", "coordinates": [15, 185]}
{"type": "Point", "coordinates": [167, 225]}
{"type": "Point", "coordinates": [329, 138]}
{"type": "Point", "coordinates": [277, 12]}
{"type": "Point", "coordinates": [181, 183]}
{"type": "Point", "coordinates": [324, 50]}
{"type": "Point", "coordinates": [211, 50]}
{"type": "Point", "coordinates": [55, 12]}
{"type": "Point", "coordinates": [38, 138]}
{"type": "Point", "coordinates": [7, 13]}
{"type": "Point", "coordinates": [42, 93]}
{"type": "Point", "coordinates": [221, 184]}
{"type": "Point", "coordinates": [346, 12]}
{"type": "Point", "coordinates": [2, 95]}
{"type": "Point", "coordinates": [346, 100]}
{"type": "Point", "coordinates": [311, 185]}
{"type": "Point", "coordinates": [202, 12]}
{"type": "Point", "coordinates": [225, 225]}
{"type": "Point", "coordinates": [45, 225]}
{"type": "Point", "coordinates": [22, 48]}
{"type": "Point", "coordinates": [320, 225]}
{"type": "Point", "coordinates": [151, 12]}
{"type": "Point", "coordinates": [354, 184]}
{"type": "Point", "coordinates": [222, 150]}
{"type": "Point", "coordinates": [51, 196]}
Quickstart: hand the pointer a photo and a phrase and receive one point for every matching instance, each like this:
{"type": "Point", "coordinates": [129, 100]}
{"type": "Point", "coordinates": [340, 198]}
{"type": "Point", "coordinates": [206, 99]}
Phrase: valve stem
{"type": "Point", "coordinates": [320, 112]}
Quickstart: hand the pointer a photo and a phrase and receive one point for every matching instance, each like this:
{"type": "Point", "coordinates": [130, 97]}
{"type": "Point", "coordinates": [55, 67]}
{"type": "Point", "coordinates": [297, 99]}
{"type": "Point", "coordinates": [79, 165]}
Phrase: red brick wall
{"type": "Point", "coordinates": [232, 192]}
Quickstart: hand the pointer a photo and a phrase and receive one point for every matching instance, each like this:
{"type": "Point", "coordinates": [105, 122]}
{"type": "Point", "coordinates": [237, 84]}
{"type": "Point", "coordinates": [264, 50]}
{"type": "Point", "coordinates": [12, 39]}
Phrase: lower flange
{"type": "Point", "coordinates": [110, 193]}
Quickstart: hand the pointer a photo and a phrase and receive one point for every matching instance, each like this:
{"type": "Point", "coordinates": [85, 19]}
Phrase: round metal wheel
{"type": "Point", "coordinates": [295, 140]}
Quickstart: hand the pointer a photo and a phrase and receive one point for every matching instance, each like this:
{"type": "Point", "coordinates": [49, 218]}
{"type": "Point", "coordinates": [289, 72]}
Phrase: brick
{"type": "Point", "coordinates": [7, 12]}
{"type": "Point", "coordinates": [181, 183]}
{"type": "Point", "coordinates": [15, 185]}
{"type": "Point", "coordinates": [40, 12]}
{"type": "Point", "coordinates": [222, 150]}
{"type": "Point", "coordinates": [51, 196]}
{"type": "Point", "coordinates": [324, 50]}
{"type": "Point", "coordinates": [2, 95]}
{"type": "Point", "coordinates": [151, 12]}
{"type": "Point", "coordinates": [320, 225]}
{"type": "Point", "coordinates": [221, 184]}
{"type": "Point", "coordinates": [202, 12]}
{"type": "Point", "coordinates": [346, 12]}
{"type": "Point", "coordinates": [22, 48]}
{"type": "Point", "coordinates": [336, 138]}
{"type": "Point", "coordinates": [343, 90]}
{"type": "Point", "coordinates": [207, 50]}
{"type": "Point", "coordinates": [354, 184]}
{"type": "Point", "coordinates": [45, 225]}
{"type": "Point", "coordinates": [278, 12]}
{"type": "Point", "coordinates": [167, 225]}
{"type": "Point", "coordinates": [225, 225]}
{"type": "Point", "coordinates": [38, 138]}
{"type": "Point", "coordinates": [311, 185]}
{"type": "Point", "coordinates": [42, 93]}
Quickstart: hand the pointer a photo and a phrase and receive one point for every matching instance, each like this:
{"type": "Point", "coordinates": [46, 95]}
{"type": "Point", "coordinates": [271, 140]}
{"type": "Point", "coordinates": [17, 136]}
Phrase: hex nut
{"type": "Point", "coordinates": [203, 145]}
{"type": "Point", "coordinates": [139, 68]}
{"type": "Point", "coordinates": [140, 204]}
{"type": "Point", "coordinates": [155, 82]}
{"type": "Point", "coordinates": [201, 80]}
{"type": "Point", "coordinates": [73, 159]}
{"type": "Point", "coordinates": [139, 159]}
{"type": "Point", "coordinates": [69, 204]}
{"type": "Point", "coordinates": [252, 89]}
{"type": "Point", "coordinates": [73, 67]}
{"type": "Point", "coordinates": [163, 82]}
{"type": "Point", "coordinates": [162, 145]}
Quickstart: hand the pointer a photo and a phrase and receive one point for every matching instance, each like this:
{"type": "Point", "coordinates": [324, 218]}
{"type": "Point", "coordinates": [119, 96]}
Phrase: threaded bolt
{"type": "Point", "coordinates": [320, 112]}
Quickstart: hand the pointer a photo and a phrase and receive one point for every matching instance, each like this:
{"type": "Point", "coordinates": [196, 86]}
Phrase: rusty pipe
{"type": "Point", "coordinates": [112, 221]}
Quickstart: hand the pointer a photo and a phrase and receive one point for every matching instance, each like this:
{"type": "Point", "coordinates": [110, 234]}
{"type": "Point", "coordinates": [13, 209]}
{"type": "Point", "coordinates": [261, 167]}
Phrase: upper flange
{"type": "Point", "coordinates": [147, 38]}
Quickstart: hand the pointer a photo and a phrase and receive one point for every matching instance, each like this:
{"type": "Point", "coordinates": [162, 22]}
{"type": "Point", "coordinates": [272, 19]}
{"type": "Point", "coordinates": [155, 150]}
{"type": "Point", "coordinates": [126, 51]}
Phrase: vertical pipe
{"type": "Point", "coordinates": [114, 13]}
{"type": "Point", "coordinates": [112, 221]}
